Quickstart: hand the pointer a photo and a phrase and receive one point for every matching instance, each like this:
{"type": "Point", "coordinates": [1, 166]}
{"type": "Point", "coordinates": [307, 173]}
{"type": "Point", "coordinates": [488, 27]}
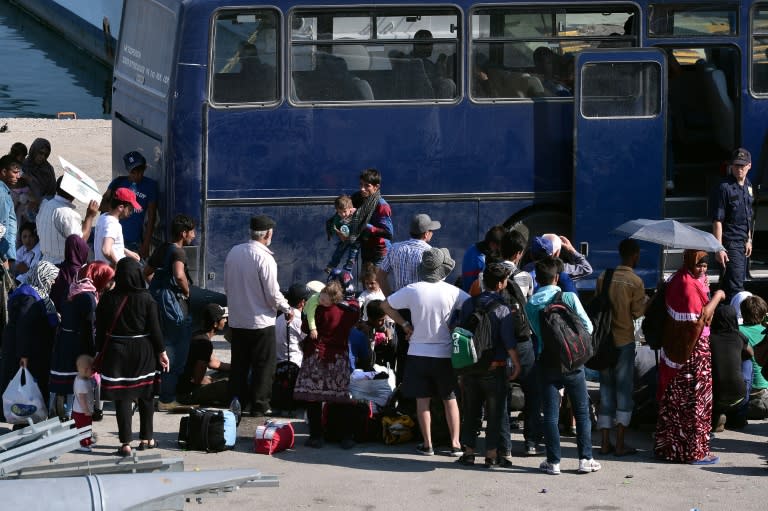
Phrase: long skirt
{"type": "Point", "coordinates": [128, 370]}
{"type": "Point", "coordinates": [685, 410]}
{"type": "Point", "coordinates": [321, 380]}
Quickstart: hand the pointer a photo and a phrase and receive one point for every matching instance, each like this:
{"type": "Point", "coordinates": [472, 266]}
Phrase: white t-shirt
{"type": "Point", "coordinates": [288, 336]}
{"type": "Point", "coordinates": [83, 386]}
{"type": "Point", "coordinates": [109, 227]}
{"type": "Point", "coordinates": [431, 306]}
{"type": "Point", "coordinates": [368, 296]}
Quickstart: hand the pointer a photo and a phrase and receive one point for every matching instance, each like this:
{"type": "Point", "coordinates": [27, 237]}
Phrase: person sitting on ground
{"type": "Point", "coordinates": [337, 227]}
{"type": "Point", "coordinates": [474, 258]}
{"type": "Point", "coordinates": [195, 385]}
{"type": "Point", "coordinates": [731, 378]}
{"type": "Point", "coordinates": [367, 337]}
{"type": "Point", "coordinates": [28, 253]}
{"type": "Point", "coordinates": [754, 310]}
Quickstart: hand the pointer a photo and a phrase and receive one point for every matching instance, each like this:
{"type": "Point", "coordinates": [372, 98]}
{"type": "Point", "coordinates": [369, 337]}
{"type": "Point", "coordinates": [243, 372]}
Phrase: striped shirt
{"type": "Point", "coordinates": [402, 262]}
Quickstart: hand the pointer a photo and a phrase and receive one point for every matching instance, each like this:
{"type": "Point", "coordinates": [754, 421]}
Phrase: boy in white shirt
{"type": "Point", "coordinates": [109, 245]}
{"type": "Point", "coordinates": [82, 407]}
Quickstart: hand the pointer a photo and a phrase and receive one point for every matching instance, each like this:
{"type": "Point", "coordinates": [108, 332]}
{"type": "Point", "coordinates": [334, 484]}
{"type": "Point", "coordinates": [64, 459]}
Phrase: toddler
{"type": "Point", "coordinates": [84, 390]}
{"type": "Point", "coordinates": [28, 253]}
{"type": "Point", "coordinates": [372, 291]}
{"type": "Point", "coordinates": [338, 225]}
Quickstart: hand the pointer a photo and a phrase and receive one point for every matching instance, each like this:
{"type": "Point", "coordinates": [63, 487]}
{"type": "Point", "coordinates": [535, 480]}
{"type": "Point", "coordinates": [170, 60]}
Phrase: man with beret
{"type": "Point", "coordinates": [254, 297]}
{"type": "Point", "coordinates": [429, 372]}
{"type": "Point", "coordinates": [732, 223]}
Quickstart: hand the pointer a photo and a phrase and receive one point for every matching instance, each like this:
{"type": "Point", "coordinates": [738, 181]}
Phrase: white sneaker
{"type": "Point", "coordinates": [588, 465]}
{"type": "Point", "coordinates": [552, 469]}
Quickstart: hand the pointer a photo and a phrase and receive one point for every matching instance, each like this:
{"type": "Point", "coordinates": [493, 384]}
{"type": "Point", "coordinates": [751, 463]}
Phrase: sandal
{"type": "Point", "coordinates": [709, 459]}
{"type": "Point", "coordinates": [466, 459]}
{"type": "Point", "coordinates": [124, 450]}
{"type": "Point", "coordinates": [151, 444]}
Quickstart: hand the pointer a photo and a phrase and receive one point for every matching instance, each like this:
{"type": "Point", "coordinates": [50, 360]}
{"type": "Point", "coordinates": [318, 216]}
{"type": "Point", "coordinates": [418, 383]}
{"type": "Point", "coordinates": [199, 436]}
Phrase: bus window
{"type": "Point", "coordinates": [245, 57]}
{"type": "Point", "coordinates": [760, 51]}
{"type": "Point", "coordinates": [146, 48]}
{"type": "Point", "coordinates": [628, 89]}
{"type": "Point", "coordinates": [691, 20]}
{"type": "Point", "coordinates": [529, 52]}
{"type": "Point", "coordinates": [387, 54]}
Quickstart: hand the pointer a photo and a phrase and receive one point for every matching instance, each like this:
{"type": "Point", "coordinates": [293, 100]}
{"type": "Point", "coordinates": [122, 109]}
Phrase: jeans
{"type": "Point", "coordinates": [617, 385]}
{"type": "Point", "coordinates": [552, 380]}
{"type": "Point", "coordinates": [732, 276]}
{"type": "Point", "coordinates": [529, 382]}
{"type": "Point", "coordinates": [489, 387]}
{"type": "Point", "coordinates": [177, 339]}
{"type": "Point", "coordinates": [344, 247]}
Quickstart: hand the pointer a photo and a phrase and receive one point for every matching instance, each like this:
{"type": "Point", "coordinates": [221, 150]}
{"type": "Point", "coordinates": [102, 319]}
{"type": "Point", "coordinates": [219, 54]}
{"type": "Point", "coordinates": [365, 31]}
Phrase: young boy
{"type": "Point", "coordinates": [338, 225]}
{"type": "Point", "coordinates": [109, 244]}
{"type": "Point", "coordinates": [28, 253]}
{"type": "Point", "coordinates": [82, 407]}
{"type": "Point", "coordinates": [288, 339]}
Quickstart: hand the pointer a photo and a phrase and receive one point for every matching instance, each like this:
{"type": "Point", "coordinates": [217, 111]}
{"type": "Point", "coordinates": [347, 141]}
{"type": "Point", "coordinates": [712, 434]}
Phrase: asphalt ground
{"type": "Point", "coordinates": [379, 477]}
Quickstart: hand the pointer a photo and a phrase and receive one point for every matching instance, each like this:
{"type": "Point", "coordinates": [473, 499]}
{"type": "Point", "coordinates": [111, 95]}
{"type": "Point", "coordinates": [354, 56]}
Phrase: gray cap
{"type": "Point", "coordinates": [436, 264]}
{"type": "Point", "coordinates": [421, 223]}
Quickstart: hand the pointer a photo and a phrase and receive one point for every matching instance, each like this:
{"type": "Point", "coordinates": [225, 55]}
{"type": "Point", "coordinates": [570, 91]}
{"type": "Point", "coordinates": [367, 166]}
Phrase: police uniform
{"type": "Point", "coordinates": [734, 210]}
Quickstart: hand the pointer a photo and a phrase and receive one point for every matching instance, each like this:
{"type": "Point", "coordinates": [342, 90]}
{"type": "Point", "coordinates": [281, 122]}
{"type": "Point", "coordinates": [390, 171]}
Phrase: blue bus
{"type": "Point", "coordinates": [565, 116]}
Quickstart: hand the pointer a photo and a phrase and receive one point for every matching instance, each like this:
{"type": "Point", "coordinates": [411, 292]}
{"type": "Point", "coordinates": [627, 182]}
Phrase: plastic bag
{"type": "Point", "coordinates": [22, 399]}
{"type": "Point", "coordinates": [378, 391]}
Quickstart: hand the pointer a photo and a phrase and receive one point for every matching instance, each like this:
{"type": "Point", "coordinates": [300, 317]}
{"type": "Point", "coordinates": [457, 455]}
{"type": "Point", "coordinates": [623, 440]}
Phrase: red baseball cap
{"type": "Point", "coordinates": [125, 195]}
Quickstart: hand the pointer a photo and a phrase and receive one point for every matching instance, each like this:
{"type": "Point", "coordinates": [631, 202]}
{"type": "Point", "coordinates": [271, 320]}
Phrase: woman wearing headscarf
{"type": "Point", "coordinates": [685, 367]}
{"type": "Point", "coordinates": [32, 321]}
{"type": "Point", "coordinates": [128, 333]}
{"type": "Point", "coordinates": [38, 173]}
{"type": "Point", "coordinates": [78, 328]}
{"type": "Point", "coordinates": [75, 256]}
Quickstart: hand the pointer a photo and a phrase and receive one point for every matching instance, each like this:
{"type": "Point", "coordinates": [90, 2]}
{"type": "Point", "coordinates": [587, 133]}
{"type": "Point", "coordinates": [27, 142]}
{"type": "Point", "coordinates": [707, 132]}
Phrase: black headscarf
{"type": "Point", "coordinates": [725, 320]}
{"type": "Point", "coordinates": [41, 178]}
{"type": "Point", "coordinates": [129, 277]}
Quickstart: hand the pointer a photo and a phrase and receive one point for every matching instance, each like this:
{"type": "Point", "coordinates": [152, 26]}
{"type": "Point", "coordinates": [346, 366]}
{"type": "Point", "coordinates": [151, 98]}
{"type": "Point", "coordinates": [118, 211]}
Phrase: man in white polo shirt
{"type": "Point", "coordinates": [108, 244]}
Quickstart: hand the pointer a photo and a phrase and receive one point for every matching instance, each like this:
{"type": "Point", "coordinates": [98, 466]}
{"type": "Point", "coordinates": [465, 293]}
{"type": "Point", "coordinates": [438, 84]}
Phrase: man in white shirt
{"type": "Point", "coordinates": [428, 370]}
{"type": "Point", "coordinates": [108, 244]}
{"type": "Point", "coordinates": [58, 219]}
{"type": "Point", "coordinates": [254, 297]}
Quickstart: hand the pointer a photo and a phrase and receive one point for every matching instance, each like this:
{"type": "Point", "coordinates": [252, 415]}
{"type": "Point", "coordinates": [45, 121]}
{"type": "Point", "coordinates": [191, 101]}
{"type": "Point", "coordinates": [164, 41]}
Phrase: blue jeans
{"type": "Point", "coordinates": [732, 277]}
{"type": "Point", "coordinates": [617, 385]}
{"type": "Point", "coordinates": [529, 382]}
{"type": "Point", "coordinates": [552, 380]}
{"type": "Point", "coordinates": [491, 388]}
{"type": "Point", "coordinates": [176, 340]}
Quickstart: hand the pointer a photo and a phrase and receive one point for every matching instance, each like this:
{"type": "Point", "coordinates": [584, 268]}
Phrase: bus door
{"type": "Point", "coordinates": [619, 152]}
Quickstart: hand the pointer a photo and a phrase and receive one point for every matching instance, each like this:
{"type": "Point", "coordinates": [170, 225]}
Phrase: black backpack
{"type": "Point", "coordinates": [207, 430]}
{"type": "Point", "coordinates": [515, 300]}
{"type": "Point", "coordinates": [566, 342]}
{"type": "Point", "coordinates": [655, 316]}
{"type": "Point", "coordinates": [600, 313]}
{"type": "Point", "coordinates": [478, 324]}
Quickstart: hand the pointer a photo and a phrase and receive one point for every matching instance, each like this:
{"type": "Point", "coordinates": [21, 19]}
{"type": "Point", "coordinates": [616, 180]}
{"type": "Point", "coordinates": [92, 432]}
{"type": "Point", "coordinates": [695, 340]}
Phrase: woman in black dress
{"type": "Point", "coordinates": [131, 353]}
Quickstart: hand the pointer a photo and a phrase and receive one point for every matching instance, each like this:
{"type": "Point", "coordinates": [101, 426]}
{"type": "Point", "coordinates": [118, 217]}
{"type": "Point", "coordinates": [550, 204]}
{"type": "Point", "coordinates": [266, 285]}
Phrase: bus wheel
{"type": "Point", "coordinates": [536, 223]}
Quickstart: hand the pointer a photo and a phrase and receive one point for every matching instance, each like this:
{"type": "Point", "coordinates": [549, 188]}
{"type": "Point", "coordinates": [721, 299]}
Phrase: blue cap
{"type": "Point", "coordinates": [541, 247]}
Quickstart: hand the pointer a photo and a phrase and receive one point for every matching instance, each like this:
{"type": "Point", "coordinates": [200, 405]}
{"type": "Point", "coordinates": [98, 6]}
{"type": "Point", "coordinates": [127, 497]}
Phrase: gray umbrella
{"type": "Point", "coordinates": [670, 233]}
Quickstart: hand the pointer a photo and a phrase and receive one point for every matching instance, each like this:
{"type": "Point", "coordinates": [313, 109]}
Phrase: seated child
{"type": "Point", "coordinates": [28, 254]}
{"type": "Point", "coordinates": [753, 311]}
{"type": "Point", "coordinates": [338, 225]}
{"type": "Point", "coordinates": [84, 389]}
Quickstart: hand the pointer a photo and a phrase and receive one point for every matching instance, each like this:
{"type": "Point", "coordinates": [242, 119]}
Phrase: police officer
{"type": "Point", "coordinates": [732, 223]}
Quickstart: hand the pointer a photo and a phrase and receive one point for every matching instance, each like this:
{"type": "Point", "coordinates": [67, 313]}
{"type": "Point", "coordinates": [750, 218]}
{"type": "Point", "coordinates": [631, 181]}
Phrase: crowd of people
{"type": "Point", "coordinates": [112, 322]}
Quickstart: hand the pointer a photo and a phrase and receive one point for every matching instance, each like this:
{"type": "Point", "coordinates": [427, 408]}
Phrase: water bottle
{"type": "Point", "coordinates": [236, 409]}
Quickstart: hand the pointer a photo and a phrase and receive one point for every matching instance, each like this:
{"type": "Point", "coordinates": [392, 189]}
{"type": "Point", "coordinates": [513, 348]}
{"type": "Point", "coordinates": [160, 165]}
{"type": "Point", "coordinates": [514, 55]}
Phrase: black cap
{"type": "Point", "coordinates": [296, 293]}
{"type": "Point", "coordinates": [741, 157]}
{"type": "Point", "coordinates": [261, 223]}
{"type": "Point", "coordinates": [134, 160]}
{"type": "Point", "coordinates": [213, 313]}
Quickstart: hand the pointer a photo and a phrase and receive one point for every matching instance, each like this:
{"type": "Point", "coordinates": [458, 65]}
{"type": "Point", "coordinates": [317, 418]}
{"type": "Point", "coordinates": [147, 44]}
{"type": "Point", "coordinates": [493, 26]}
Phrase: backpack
{"type": "Point", "coordinates": [566, 342]}
{"type": "Point", "coordinates": [166, 293]}
{"type": "Point", "coordinates": [515, 299]}
{"type": "Point", "coordinates": [600, 313]}
{"type": "Point", "coordinates": [472, 341]}
{"type": "Point", "coordinates": [655, 316]}
{"type": "Point", "coordinates": [208, 430]}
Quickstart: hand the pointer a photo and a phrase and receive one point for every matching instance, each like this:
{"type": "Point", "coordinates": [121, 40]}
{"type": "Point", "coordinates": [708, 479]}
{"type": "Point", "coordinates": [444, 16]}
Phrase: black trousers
{"type": "Point", "coordinates": [124, 414]}
{"type": "Point", "coordinates": [253, 351]}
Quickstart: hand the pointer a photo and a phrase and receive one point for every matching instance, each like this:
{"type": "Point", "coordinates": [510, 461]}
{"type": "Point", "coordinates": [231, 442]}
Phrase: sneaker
{"type": "Point", "coordinates": [587, 466]}
{"type": "Point", "coordinates": [85, 448]}
{"type": "Point", "coordinates": [552, 469]}
{"type": "Point", "coordinates": [498, 462]}
{"type": "Point", "coordinates": [426, 451]}
{"type": "Point", "coordinates": [530, 450]}
{"type": "Point", "coordinates": [456, 452]}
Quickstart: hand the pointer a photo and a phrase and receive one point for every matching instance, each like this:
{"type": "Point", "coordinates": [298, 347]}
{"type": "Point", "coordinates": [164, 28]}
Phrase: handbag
{"type": "Point", "coordinates": [99, 359]}
{"type": "Point", "coordinates": [166, 293]}
{"type": "Point", "coordinates": [272, 437]}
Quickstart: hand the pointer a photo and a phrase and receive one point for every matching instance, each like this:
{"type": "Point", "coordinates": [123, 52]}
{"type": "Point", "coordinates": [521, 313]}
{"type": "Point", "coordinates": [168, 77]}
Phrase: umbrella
{"type": "Point", "coordinates": [669, 233]}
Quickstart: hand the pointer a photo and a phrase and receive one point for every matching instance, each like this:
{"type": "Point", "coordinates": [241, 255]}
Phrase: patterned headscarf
{"type": "Point", "coordinates": [41, 277]}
